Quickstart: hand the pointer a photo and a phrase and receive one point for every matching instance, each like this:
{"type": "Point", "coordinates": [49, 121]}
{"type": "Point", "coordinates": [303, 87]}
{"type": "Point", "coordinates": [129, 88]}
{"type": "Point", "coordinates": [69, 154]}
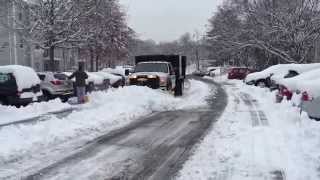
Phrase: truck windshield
{"type": "Point", "coordinates": [152, 67]}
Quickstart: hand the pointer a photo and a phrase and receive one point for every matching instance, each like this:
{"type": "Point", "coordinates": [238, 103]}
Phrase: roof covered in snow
{"type": "Point", "coordinates": [26, 77]}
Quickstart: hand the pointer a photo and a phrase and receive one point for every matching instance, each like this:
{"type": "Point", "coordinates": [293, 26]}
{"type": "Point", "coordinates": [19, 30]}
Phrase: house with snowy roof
{"type": "Point", "coordinates": [14, 49]}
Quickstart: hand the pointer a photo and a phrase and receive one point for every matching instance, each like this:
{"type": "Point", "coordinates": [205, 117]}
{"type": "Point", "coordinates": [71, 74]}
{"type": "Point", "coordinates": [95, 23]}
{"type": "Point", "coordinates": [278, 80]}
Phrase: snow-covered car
{"type": "Point", "coordinates": [19, 85]}
{"type": "Point", "coordinates": [55, 85]}
{"type": "Point", "coordinates": [120, 72]}
{"type": "Point", "coordinates": [114, 80]}
{"type": "Point", "coordinates": [293, 84]}
{"type": "Point", "coordinates": [214, 71]}
{"type": "Point", "coordinates": [278, 72]}
{"type": "Point", "coordinates": [89, 82]}
{"type": "Point", "coordinates": [99, 82]}
{"type": "Point", "coordinates": [310, 97]}
{"type": "Point", "coordinates": [303, 89]}
{"type": "Point", "coordinates": [199, 73]}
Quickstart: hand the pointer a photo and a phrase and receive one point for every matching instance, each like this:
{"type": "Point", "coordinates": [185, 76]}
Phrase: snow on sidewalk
{"type": "Point", "coordinates": [257, 139]}
{"type": "Point", "coordinates": [104, 112]}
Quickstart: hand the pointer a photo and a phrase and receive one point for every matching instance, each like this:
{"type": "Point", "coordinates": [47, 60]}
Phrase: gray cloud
{"type": "Point", "coordinates": [166, 20]}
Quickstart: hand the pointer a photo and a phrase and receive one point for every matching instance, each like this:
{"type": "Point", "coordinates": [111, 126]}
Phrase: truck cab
{"type": "Point", "coordinates": [165, 72]}
{"type": "Point", "coordinates": [150, 73]}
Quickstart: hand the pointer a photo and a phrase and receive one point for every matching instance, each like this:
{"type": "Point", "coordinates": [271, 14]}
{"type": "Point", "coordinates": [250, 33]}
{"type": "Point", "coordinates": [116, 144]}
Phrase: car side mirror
{"type": "Point", "coordinates": [127, 72]}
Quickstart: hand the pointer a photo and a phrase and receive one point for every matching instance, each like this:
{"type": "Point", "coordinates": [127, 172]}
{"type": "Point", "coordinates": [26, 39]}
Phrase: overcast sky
{"type": "Point", "coordinates": [167, 20]}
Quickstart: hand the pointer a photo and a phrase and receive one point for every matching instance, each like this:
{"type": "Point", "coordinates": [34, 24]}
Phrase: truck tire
{"type": "Point", "coordinates": [178, 91]}
{"type": "Point", "coordinates": [3, 101]}
{"type": "Point", "coordinates": [46, 95]}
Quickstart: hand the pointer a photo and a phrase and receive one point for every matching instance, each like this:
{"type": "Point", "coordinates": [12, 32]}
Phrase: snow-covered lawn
{"type": "Point", "coordinates": [106, 111]}
{"type": "Point", "coordinates": [257, 139]}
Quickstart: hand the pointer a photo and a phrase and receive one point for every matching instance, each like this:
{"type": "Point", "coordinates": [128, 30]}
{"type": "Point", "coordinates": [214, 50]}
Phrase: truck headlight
{"type": "Point", "coordinates": [133, 77]}
{"type": "Point", "coordinates": [152, 76]}
{"type": "Point", "coordinates": [163, 81]}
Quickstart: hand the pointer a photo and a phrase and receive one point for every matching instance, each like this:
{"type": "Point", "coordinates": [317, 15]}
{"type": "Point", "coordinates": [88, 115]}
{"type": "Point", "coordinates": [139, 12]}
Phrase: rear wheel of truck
{"type": "Point", "coordinates": [46, 95]}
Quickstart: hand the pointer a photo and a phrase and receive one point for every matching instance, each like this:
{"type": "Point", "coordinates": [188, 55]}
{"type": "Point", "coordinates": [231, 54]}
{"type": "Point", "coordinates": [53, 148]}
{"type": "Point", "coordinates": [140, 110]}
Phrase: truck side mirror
{"type": "Point", "coordinates": [127, 72]}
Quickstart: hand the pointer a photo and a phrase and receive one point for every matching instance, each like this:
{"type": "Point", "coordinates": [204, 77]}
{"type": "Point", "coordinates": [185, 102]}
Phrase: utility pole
{"type": "Point", "coordinates": [196, 36]}
{"type": "Point", "coordinates": [10, 35]}
{"type": "Point", "coordinates": [14, 33]}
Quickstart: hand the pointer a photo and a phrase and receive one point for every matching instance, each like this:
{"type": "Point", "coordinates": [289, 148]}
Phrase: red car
{"type": "Point", "coordinates": [239, 73]}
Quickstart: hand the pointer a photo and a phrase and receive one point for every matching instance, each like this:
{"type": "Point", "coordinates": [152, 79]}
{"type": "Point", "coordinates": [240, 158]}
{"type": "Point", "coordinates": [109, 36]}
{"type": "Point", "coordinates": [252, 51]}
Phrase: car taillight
{"type": "Point", "coordinates": [286, 92]}
{"type": "Point", "coordinates": [56, 82]}
{"type": "Point", "coordinates": [306, 97]}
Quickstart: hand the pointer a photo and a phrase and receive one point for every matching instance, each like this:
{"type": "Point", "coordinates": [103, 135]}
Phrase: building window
{"type": "Point", "coordinates": [20, 16]}
{"type": "Point", "coordinates": [5, 45]}
{"type": "Point", "coordinates": [21, 43]}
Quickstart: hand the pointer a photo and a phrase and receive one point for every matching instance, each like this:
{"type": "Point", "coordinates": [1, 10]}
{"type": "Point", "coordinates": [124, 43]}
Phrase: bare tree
{"type": "Point", "coordinates": [275, 30]}
{"type": "Point", "coordinates": [105, 31]}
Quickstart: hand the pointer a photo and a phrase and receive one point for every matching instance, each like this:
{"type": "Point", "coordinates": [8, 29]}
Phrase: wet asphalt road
{"type": "Point", "coordinates": [152, 148]}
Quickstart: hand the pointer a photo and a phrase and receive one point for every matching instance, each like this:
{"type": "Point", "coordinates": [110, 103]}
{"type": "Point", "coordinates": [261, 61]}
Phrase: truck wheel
{"type": "Point", "coordinates": [2, 102]}
{"type": "Point", "coordinates": [46, 96]}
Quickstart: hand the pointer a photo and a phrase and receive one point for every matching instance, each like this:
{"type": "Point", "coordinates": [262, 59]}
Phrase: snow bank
{"type": "Point", "coordinates": [237, 150]}
{"type": "Point", "coordinates": [105, 112]}
{"type": "Point", "coordinates": [11, 113]}
{"type": "Point", "coordinates": [26, 77]}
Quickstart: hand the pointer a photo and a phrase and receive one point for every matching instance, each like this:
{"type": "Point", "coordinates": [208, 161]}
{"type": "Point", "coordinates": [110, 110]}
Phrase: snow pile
{"type": "Point", "coordinates": [11, 113]}
{"type": "Point", "coordinates": [106, 111]}
{"type": "Point", "coordinates": [26, 77]}
{"type": "Point", "coordinates": [280, 71]}
{"type": "Point", "coordinates": [239, 150]}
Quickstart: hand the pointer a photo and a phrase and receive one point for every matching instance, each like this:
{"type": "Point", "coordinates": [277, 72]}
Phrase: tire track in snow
{"type": "Point", "coordinates": [259, 118]}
